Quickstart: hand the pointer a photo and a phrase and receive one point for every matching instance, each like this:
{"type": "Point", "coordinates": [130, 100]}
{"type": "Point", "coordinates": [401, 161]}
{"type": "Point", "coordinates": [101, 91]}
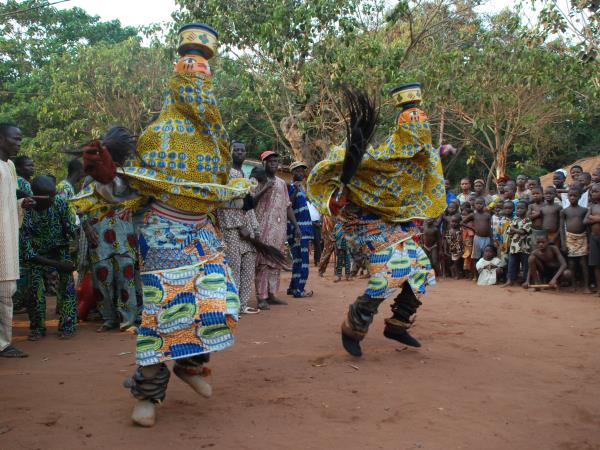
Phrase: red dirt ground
{"type": "Point", "coordinates": [499, 369]}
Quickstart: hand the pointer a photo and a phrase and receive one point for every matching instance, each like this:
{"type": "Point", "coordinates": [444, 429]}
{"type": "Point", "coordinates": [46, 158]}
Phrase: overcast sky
{"type": "Point", "coordinates": [143, 12]}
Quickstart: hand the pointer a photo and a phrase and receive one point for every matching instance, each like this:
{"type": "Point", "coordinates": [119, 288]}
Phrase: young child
{"type": "Point", "coordinates": [574, 238]}
{"type": "Point", "coordinates": [583, 184]}
{"type": "Point", "coordinates": [546, 263]}
{"type": "Point", "coordinates": [509, 192]}
{"type": "Point", "coordinates": [482, 222]}
{"type": "Point", "coordinates": [488, 267]}
{"type": "Point", "coordinates": [592, 219]}
{"type": "Point", "coordinates": [479, 188]}
{"type": "Point", "coordinates": [500, 225]}
{"type": "Point", "coordinates": [468, 230]}
{"type": "Point", "coordinates": [44, 242]}
{"type": "Point", "coordinates": [342, 254]}
{"type": "Point", "coordinates": [454, 246]}
{"type": "Point", "coordinates": [550, 214]}
{"type": "Point", "coordinates": [520, 246]}
{"type": "Point", "coordinates": [431, 241]}
{"type": "Point", "coordinates": [534, 212]}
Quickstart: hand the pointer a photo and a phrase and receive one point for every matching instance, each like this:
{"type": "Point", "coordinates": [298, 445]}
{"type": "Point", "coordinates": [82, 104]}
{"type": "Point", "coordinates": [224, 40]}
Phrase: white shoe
{"type": "Point", "coordinates": [249, 310]}
{"type": "Point", "coordinates": [143, 413]}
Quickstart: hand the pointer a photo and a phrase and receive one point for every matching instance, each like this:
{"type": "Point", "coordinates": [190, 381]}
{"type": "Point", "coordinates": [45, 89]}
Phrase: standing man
{"type": "Point", "coordinates": [315, 218]}
{"type": "Point", "coordinates": [10, 218]}
{"type": "Point", "coordinates": [25, 170]}
{"type": "Point", "coordinates": [273, 210]}
{"type": "Point", "coordinates": [66, 189]}
{"type": "Point", "coordinates": [236, 224]}
{"type": "Point", "coordinates": [299, 246]}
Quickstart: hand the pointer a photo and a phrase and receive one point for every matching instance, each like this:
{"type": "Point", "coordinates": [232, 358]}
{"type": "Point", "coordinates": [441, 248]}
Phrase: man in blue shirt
{"type": "Point", "coordinates": [450, 197]}
{"type": "Point", "coordinates": [299, 249]}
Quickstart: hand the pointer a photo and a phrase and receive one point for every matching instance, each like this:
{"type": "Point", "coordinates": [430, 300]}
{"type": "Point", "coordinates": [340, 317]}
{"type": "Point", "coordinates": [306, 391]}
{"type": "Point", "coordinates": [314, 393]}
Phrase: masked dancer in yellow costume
{"type": "Point", "coordinates": [378, 194]}
{"type": "Point", "coordinates": [178, 173]}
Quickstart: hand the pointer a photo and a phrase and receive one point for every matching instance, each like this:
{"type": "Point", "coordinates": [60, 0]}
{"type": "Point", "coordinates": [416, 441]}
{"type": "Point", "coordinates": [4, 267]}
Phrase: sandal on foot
{"type": "Point", "coordinates": [106, 327]}
{"type": "Point", "coordinates": [34, 336]}
{"type": "Point", "coordinates": [13, 352]}
{"type": "Point", "coordinates": [276, 301]}
{"type": "Point", "coordinates": [263, 305]}
{"type": "Point", "coordinates": [304, 294]}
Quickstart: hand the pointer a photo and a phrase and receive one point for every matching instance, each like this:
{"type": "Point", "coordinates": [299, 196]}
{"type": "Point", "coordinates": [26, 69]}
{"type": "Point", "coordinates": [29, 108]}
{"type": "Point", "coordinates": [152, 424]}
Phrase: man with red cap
{"type": "Point", "coordinates": [273, 210]}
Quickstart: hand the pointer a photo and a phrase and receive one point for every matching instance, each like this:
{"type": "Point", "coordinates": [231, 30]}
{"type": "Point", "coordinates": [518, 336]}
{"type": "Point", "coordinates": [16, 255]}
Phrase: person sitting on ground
{"type": "Point", "coordinates": [479, 187]}
{"type": "Point", "coordinates": [488, 267]}
{"type": "Point", "coordinates": [431, 242]}
{"type": "Point", "coordinates": [44, 242]}
{"type": "Point", "coordinates": [482, 223]}
{"type": "Point", "coordinates": [550, 214]}
{"type": "Point", "coordinates": [546, 264]}
{"type": "Point", "coordinates": [520, 245]}
{"type": "Point", "coordinates": [25, 170]}
{"type": "Point", "coordinates": [454, 246]}
{"type": "Point", "coordinates": [592, 219]}
{"type": "Point", "coordinates": [574, 239]}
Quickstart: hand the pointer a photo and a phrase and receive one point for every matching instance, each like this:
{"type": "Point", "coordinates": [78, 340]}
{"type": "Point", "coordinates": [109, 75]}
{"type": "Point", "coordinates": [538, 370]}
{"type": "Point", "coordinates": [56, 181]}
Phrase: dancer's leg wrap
{"type": "Point", "coordinates": [149, 382]}
{"type": "Point", "coordinates": [192, 366]}
{"type": "Point", "coordinates": [404, 307]}
{"type": "Point", "coordinates": [360, 316]}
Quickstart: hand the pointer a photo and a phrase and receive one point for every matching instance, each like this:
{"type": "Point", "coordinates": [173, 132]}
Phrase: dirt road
{"type": "Point", "coordinates": [499, 369]}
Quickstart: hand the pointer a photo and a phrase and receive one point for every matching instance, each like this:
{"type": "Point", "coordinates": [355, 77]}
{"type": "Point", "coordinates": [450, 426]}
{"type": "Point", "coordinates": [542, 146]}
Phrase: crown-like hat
{"type": "Point", "coordinates": [200, 37]}
{"type": "Point", "coordinates": [407, 93]}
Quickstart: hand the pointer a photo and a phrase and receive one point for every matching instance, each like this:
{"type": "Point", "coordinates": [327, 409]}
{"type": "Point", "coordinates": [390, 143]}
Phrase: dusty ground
{"type": "Point", "coordinates": [499, 369]}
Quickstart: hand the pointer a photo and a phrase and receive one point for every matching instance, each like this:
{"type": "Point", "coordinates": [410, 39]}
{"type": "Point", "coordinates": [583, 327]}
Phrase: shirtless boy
{"type": "Point", "coordinates": [534, 212]}
{"type": "Point", "coordinates": [574, 238]}
{"type": "Point", "coordinates": [431, 242]}
{"type": "Point", "coordinates": [482, 223]}
{"type": "Point", "coordinates": [546, 262]}
{"type": "Point", "coordinates": [593, 220]}
{"type": "Point", "coordinates": [550, 214]}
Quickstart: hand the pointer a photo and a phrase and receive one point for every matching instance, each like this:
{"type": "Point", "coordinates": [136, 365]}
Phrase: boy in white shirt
{"type": "Point", "coordinates": [488, 267]}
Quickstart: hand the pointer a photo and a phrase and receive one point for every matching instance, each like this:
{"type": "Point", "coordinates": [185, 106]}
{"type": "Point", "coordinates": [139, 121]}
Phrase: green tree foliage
{"type": "Point", "coordinates": [66, 75]}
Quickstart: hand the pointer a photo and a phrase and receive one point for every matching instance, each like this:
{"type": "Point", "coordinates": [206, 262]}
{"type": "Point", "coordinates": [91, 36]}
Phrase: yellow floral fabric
{"type": "Point", "coordinates": [183, 157]}
{"type": "Point", "coordinates": [400, 180]}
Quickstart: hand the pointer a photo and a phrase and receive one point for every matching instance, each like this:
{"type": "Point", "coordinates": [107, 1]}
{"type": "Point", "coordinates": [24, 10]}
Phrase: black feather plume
{"type": "Point", "coordinates": [268, 251]}
{"type": "Point", "coordinates": [360, 125]}
{"type": "Point", "coordinates": [120, 143]}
